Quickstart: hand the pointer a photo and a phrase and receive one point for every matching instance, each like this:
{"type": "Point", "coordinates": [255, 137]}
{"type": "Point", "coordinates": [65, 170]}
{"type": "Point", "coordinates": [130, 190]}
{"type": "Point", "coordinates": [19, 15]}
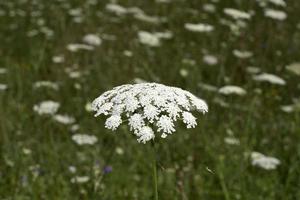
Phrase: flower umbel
{"type": "Point", "coordinates": [147, 106]}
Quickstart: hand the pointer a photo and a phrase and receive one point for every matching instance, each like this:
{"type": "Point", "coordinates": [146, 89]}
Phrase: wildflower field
{"type": "Point", "coordinates": [240, 57]}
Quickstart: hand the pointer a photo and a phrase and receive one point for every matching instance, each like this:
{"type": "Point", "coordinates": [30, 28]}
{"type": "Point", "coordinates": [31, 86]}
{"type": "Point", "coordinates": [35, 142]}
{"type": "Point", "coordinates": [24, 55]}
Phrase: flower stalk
{"type": "Point", "coordinates": [154, 166]}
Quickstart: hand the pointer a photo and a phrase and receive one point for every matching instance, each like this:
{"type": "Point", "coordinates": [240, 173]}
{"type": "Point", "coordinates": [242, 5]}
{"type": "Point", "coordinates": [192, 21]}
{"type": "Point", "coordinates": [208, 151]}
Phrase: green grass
{"type": "Point", "coordinates": [186, 157]}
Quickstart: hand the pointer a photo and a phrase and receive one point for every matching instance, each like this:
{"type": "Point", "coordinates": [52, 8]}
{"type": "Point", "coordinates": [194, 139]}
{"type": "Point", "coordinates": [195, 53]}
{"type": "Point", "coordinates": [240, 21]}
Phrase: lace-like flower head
{"type": "Point", "coordinates": [148, 106]}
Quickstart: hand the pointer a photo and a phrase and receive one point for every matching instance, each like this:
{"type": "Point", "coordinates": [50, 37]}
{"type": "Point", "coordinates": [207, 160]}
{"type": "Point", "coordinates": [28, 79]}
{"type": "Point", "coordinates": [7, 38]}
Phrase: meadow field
{"type": "Point", "coordinates": [242, 57]}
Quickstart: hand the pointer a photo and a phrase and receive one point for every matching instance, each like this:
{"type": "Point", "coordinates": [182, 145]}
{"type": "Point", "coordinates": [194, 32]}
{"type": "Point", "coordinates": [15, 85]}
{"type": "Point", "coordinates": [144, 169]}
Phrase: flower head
{"type": "Point", "coordinates": [237, 14]}
{"type": "Point", "coordinates": [275, 14]}
{"type": "Point", "coordinates": [148, 39]}
{"type": "Point", "coordinates": [232, 89]}
{"type": "Point", "coordinates": [146, 134]}
{"type": "Point", "coordinates": [92, 39]}
{"type": "Point", "coordinates": [271, 78]}
{"type": "Point", "coordinates": [46, 107]}
{"type": "Point", "coordinates": [84, 139]}
{"type": "Point", "coordinates": [147, 106]}
{"type": "Point", "coordinates": [265, 162]}
{"type": "Point", "coordinates": [199, 27]}
{"type": "Point", "coordinates": [113, 122]}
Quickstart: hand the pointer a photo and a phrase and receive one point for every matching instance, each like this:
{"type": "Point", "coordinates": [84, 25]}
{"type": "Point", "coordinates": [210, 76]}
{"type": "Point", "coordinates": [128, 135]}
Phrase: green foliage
{"type": "Point", "coordinates": [194, 164]}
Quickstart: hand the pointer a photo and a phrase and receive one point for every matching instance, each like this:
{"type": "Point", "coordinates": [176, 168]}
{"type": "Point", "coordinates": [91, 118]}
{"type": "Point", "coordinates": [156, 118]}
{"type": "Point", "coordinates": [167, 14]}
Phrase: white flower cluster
{"type": "Point", "coordinates": [242, 54]}
{"type": "Point", "coordinates": [153, 39]}
{"type": "Point", "coordinates": [46, 107]}
{"type": "Point", "coordinates": [232, 89]}
{"type": "Point", "coordinates": [47, 84]}
{"type": "Point", "coordinates": [148, 105]}
{"type": "Point", "coordinates": [271, 78]}
{"type": "Point", "coordinates": [84, 139]}
{"type": "Point", "coordinates": [3, 87]}
{"type": "Point", "coordinates": [237, 14]}
{"type": "Point", "coordinates": [265, 162]}
{"type": "Point", "coordinates": [64, 119]}
{"type": "Point", "coordinates": [92, 39]}
{"type": "Point", "coordinates": [199, 27]}
{"type": "Point", "coordinates": [80, 179]}
{"type": "Point", "coordinates": [275, 14]}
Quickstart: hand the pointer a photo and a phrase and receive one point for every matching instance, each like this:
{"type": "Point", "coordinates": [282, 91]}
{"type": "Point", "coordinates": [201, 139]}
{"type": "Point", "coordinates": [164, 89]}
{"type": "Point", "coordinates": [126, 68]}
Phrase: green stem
{"type": "Point", "coordinates": [154, 166]}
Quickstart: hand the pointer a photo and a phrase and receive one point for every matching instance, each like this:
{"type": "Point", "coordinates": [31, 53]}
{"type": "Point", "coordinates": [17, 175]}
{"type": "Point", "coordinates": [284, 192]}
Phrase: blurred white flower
{"type": "Point", "coordinates": [92, 39]}
{"type": "Point", "coordinates": [184, 72]}
{"type": "Point", "coordinates": [26, 151]}
{"type": "Point", "coordinates": [134, 10]}
{"type": "Point", "coordinates": [264, 162]}
{"type": "Point", "coordinates": [115, 8]}
{"type": "Point", "coordinates": [287, 108]}
{"type": "Point", "coordinates": [58, 59]}
{"type": "Point", "coordinates": [210, 59]}
{"type": "Point", "coordinates": [242, 54]}
{"type": "Point", "coordinates": [64, 119]}
{"type": "Point", "coordinates": [278, 2]}
{"type": "Point", "coordinates": [127, 53]}
{"type": "Point", "coordinates": [148, 105]}
{"type": "Point", "coordinates": [209, 7]}
{"type": "Point", "coordinates": [275, 14]}
{"type": "Point", "coordinates": [253, 70]}
{"type": "Point", "coordinates": [80, 179]}
{"type": "Point", "coordinates": [231, 140]}
{"type": "Point", "coordinates": [77, 47]}
{"type": "Point", "coordinates": [74, 74]}
{"type": "Point", "coordinates": [72, 169]}
{"type": "Point", "coordinates": [75, 12]}
{"type": "Point", "coordinates": [232, 89]}
{"type": "Point", "coordinates": [84, 139]}
{"type": "Point", "coordinates": [292, 107]}
{"type": "Point", "coordinates": [77, 86]}
{"type": "Point", "coordinates": [78, 19]}
{"type": "Point", "coordinates": [119, 151]}
{"type": "Point", "coordinates": [294, 68]}
{"type": "Point", "coordinates": [164, 35]}
{"type": "Point", "coordinates": [208, 87]}
{"type": "Point", "coordinates": [88, 107]}
{"type": "Point", "coordinates": [139, 80]}
{"type": "Point", "coordinates": [148, 39]}
{"type": "Point", "coordinates": [46, 107]}
{"type": "Point", "coordinates": [3, 70]}
{"type": "Point", "coordinates": [199, 27]}
{"type": "Point", "coordinates": [74, 128]}
{"type": "Point", "coordinates": [3, 87]}
{"type": "Point", "coordinates": [47, 84]}
{"type": "Point", "coordinates": [236, 14]}
{"type": "Point", "coordinates": [271, 78]}
{"type": "Point", "coordinates": [120, 10]}
{"type": "Point", "coordinates": [163, 1]}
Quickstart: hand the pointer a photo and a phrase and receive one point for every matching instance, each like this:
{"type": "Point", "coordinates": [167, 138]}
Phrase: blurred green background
{"type": "Point", "coordinates": [40, 159]}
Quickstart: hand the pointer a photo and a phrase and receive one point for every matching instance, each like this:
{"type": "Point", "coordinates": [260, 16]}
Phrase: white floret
{"type": "Point", "coordinates": [189, 120]}
{"type": "Point", "coordinates": [113, 122]}
{"type": "Point", "coordinates": [145, 134]}
{"type": "Point", "coordinates": [136, 122]}
{"type": "Point", "coordinates": [165, 124]}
